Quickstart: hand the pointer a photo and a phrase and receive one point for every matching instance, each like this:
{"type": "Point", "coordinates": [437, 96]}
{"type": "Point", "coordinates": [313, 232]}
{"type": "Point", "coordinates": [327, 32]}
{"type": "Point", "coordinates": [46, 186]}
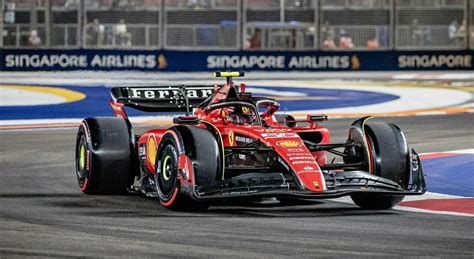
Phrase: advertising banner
{"type": "Point", "coordinates": [167, 60]}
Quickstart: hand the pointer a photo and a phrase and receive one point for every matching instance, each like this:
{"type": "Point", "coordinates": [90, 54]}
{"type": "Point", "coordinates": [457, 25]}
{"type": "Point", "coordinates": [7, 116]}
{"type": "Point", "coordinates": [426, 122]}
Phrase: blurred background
{"type": "Point", "coordinates": [290, 25]}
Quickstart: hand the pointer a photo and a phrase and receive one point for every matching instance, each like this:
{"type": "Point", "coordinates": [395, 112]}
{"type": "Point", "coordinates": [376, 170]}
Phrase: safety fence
{"type": "Point", "coordinates": [254, 25]}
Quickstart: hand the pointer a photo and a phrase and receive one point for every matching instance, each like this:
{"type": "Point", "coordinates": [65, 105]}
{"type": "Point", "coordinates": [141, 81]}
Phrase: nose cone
{"type": "Point", "coordinates": [293, 151]}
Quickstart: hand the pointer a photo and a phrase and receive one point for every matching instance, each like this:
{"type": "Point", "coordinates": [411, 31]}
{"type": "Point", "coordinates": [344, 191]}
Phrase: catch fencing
{"type": "Point", "coordinates": [257, 25]}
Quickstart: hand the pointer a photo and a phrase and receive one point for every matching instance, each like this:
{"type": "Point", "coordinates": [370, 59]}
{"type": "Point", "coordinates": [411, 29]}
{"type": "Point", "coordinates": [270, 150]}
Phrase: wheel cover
{"type": "Point", "coordinates": [166, 168]}
{"type": "Point", "coordinates": [82, 157]}
{"type": "Point", "coordinates": [167, 178]}
{"type": "Point", "coordinates": [81, 163]}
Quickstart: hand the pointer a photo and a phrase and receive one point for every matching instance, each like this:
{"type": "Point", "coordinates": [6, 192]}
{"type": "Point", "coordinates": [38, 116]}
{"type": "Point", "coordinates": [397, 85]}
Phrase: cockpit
{"type": "Point", "coordinates": [243, 113]}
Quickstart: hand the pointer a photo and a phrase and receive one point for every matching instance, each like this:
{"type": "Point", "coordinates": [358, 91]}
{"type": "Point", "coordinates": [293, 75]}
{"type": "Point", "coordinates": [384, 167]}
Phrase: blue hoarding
{"type": "Point", "coordinates": [166, 60]}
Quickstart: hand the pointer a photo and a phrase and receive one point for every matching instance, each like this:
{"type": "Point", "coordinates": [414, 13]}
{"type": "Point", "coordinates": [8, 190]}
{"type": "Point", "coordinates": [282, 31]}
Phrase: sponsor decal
{"type": "Point", "coordinates": [243, 139]}
{"type": "Point", "coordinates": [151, 150]}
{"type": "Point", "coordinates": [308, 168]}
{"type": "Point", "coordinates": [276, 130]}
{"type": "Point", "coordinates": [288, 143]}
{"type": "Point", "coordinates": [87, 160]}
{"type": "Point", "coordinates": [281, 62]}
{"type": "Point", "coordinates": [78, 61]}
{"type": "Point", "coordinates": [231, 137]}
{"type": "Point", "coordinates": [355, 62]}
{"type": "Point", "coordinates": [242, 157]}
{"type": "Point", "coordinates": [296, 154]}
{"type": "Point", "coordinates": [435, 61]}
{"type": "Point", "coordinates": [166, 93]}
{"type": "Point", "coordinates": [235, 61]}
{"type": "Point", "coordinates": [279, 135]}
{"type": "Point", "coordinates": [301, 157]}
{"type": "Point", "coordinates": [172, 60]}
{"type": "Point", "coordinates": [316, 184]}
{"type": "Point", "coordinates": [318, 62]}
{"type": "Point", "coordinates": [295, 150]}
{"type": "Point", "coordinates": [302, 162]}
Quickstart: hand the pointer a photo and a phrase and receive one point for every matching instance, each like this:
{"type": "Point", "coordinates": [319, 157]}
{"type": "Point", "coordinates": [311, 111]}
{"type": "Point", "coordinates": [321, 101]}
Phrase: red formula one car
{"type": "Point", "coordinates": [235, 146]}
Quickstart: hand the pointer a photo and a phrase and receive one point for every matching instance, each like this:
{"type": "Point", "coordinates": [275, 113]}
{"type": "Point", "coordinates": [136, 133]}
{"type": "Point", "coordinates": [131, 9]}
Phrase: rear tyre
{"type": "Point", "coordinates": [389, 158]}
{"type": "Point", "coordinates": [104, 156]}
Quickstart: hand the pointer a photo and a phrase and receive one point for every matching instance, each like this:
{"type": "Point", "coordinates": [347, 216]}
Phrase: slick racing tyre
{"type": "Point", "coordinates": [167, 177]}
{"type": "Point", "coordinates": [198, 145]}
{"type": "Point", "coordinates": [389, 158]}
{"type": "Point", "coordinates": [104, 156]}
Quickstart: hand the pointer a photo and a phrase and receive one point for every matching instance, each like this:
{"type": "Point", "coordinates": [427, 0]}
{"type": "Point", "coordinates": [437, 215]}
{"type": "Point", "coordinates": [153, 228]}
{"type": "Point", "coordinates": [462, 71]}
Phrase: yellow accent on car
{"type": "Point", "coordinates": [316, 184]}
{"type": "Point", "coordinates": [151, 150]}
{"type": "Point", "coordinates": [289, 143]}
{"type": "Point", "coordinates": [82, 158]}
{"type": "Point", "coordinates": [222, 144]}
{"type": "Point", "coordinates": [231, 138]}
{"type": "Point", "coordinates": [165, 163]}
{"type": "Point", "coordinates": [367, 144]}
{"type": "Point", "coordinates": [228, 74]}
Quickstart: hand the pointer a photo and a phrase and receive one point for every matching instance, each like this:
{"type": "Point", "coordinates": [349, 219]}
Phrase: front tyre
{"type": "Point", "coordinates": [388, 158]}
{"type": "Point", "coordinates": [376, 202]}
{"type": "Point", "coordinates": [168, 179]}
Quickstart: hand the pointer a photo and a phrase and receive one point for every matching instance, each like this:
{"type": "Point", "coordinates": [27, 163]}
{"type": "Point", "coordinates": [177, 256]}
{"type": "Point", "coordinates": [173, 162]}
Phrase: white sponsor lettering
{"type": "Point", "coordinates": [81, 61]}
{"type": "Point", "coordinates": [301, 157]}
{"type": "Point", "coordinates": [319, 62]}
{"type": "Point", "coordinates": [302, 162]}
{"type": "Point", "coordinates": [243, 139]}
{"type": "Point", "coordinates": [296, 154]}
{"type": "Point", "coordinates": [245, 61]}
{"type": "Point", "coordinates": [279, 135]}
{"type": "Point", "coordinates": [36, 61]}
{"type": "Point", "coordinates": [295, 150]}
{"type": "Point", "coordinates": [160, 93]}
{"type": "Point", "coordinates": [435, 61]}
{"type": "Point", "coordinates": [124, 61]}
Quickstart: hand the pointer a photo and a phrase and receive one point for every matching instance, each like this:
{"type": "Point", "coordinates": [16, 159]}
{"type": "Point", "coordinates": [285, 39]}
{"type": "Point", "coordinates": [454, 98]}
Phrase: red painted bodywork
{"type": "Point", "coordinates": [118, 109]}
{"type": "Point", "coordinates": [285, 141]}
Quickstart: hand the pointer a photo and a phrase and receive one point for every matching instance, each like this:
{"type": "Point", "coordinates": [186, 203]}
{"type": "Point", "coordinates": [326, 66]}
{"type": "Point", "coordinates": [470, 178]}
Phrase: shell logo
{"type": "Point", "coordinates": [288, 143]}
{"type": "Point", "coordinates": [151, 150]}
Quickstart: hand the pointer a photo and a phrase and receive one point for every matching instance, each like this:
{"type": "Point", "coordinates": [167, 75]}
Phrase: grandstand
{"type": "Point", "coordinates": [289, 25]}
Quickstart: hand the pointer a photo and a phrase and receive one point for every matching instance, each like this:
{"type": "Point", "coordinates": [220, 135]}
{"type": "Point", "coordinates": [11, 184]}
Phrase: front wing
{"type": "Point", "coordinates": [338, 185]}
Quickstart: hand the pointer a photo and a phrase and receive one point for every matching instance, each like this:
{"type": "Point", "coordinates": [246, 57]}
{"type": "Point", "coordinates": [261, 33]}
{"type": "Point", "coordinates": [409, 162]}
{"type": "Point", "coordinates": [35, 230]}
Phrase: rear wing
{"type": "Point", "coordinates": [161, 98]}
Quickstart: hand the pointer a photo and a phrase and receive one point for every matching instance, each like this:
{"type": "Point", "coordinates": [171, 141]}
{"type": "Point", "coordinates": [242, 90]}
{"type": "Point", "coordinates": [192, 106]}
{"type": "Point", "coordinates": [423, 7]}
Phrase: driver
{"type": "Point", "coordinates": [241, 116]}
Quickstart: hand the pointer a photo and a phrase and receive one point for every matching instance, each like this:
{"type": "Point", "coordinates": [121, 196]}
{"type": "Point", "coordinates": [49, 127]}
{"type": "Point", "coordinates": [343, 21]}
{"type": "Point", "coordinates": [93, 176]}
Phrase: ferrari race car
{"type": "Point", "coordinates": [235, 146]}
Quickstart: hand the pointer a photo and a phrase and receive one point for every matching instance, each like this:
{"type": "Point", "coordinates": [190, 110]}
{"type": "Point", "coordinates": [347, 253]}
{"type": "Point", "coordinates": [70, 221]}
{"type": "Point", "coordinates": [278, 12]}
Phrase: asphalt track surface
{"type": "Point", "coordinates": [44, 213]}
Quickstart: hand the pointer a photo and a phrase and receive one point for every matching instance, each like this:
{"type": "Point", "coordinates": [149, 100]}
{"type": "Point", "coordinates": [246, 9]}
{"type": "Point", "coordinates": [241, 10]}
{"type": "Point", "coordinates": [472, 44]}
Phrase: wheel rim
{"type": "Point", "coordinates": [166, 168]}
{"type": "Point", "coordinates": [168, 172]}
{"type": "Point", "coordinates": [82, 157]}
{"type": "Point", "coordinates": [81, 163]}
